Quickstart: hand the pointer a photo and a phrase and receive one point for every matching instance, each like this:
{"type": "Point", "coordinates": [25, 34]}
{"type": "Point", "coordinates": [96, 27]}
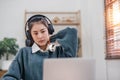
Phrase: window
{"type": "Point", "coordinates": [112, 18]}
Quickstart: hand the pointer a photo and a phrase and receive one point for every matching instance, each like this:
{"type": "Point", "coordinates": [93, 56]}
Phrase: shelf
{"type": "Point", "coordinates": [66, 23]}
{"type": "Point", "coordinates": [58, 18]}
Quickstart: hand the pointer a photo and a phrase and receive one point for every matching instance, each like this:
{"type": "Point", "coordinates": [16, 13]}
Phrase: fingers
{"type": "Point", "coordinates": [52, 46]}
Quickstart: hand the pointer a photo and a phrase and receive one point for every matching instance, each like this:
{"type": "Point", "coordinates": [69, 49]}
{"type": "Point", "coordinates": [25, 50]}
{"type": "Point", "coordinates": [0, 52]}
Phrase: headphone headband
{"type": "Point", "coordinates": [35, 17]}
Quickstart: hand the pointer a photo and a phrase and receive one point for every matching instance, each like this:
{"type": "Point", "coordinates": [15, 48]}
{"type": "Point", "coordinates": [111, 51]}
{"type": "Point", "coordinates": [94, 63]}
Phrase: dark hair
{"type": "Point", "coordinates": [37, 21]}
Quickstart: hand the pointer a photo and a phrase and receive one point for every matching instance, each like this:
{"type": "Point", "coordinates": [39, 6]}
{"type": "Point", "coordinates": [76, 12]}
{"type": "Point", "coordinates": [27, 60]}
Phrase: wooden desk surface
{"type": "Point", "coordinates": [2, 73]}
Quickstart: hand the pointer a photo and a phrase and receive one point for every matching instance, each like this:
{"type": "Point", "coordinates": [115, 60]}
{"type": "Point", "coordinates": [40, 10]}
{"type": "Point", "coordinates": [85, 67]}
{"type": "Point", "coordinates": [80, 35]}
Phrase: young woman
{"type": "Point", "coordinates": [41, 44]}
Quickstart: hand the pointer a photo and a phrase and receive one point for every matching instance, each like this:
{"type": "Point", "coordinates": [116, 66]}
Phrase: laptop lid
{"type": "Point", "coordinates": [69, 69]}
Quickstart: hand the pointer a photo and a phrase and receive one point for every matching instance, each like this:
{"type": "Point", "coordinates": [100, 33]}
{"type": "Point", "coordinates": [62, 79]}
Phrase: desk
{"type": "Point", "coordinates": [2, 73]}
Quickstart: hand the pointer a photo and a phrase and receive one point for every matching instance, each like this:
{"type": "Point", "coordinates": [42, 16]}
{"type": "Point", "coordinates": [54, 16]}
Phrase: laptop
{"type": "Point", "coordinates": [69, 69]}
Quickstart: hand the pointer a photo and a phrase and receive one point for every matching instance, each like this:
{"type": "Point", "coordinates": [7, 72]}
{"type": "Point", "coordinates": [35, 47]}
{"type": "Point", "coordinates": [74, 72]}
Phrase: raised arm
{"type": "Point", "coordinates": [68, 41]}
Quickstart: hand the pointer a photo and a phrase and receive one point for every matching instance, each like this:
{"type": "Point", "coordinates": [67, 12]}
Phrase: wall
{"type": "Point", "coordinates": [113, 69]}
{"type": "Point", "coordinates": [93, 35]}
{"type": "Point", "coordinates": [92, 24]}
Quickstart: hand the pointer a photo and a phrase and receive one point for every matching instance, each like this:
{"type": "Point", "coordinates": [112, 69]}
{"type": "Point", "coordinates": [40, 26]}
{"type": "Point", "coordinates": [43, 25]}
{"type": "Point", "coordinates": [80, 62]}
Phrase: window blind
{"type": "Point", "coordinates": [112, 18]}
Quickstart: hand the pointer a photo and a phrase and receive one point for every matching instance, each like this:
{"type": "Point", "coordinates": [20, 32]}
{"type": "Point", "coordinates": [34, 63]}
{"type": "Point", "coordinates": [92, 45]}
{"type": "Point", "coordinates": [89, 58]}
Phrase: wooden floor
{"type": "Point", "coordinates": [2, 73]}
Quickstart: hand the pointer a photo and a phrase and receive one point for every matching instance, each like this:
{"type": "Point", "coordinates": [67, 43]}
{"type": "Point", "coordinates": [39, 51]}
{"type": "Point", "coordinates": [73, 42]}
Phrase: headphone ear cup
{"type": "Point", "coordinates": [28, 34]}
{"type": "Point", "coordinates": [28, 42]}
{"type": "Point", "coordinates": [50, 28]}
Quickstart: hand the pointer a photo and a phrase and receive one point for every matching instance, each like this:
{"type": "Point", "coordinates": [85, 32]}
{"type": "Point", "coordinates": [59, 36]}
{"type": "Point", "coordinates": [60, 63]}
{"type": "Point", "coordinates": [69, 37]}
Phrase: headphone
{"type": "Point", "coordinates": [35, 18]}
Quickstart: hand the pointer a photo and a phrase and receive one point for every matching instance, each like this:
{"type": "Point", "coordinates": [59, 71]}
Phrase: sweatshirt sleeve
{"type": "Point", "coordinates": [15, 70]}
{"type": "Point", "coordinates": [68, 40]}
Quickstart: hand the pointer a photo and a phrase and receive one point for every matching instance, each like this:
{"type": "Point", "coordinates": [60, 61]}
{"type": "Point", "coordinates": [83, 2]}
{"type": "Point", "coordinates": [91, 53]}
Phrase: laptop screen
{"type": "Point", "coordinates": [69, 69]}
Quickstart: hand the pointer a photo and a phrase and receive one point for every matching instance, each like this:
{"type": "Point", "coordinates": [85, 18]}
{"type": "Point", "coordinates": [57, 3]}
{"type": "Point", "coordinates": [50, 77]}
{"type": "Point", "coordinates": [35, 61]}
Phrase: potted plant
{"type": "Point", "coordinates": [8, 46]}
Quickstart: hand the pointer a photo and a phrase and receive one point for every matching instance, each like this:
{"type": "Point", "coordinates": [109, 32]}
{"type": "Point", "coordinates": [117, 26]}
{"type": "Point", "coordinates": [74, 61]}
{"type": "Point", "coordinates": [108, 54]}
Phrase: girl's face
{"type": "Point", "coordinates": [40, 35]}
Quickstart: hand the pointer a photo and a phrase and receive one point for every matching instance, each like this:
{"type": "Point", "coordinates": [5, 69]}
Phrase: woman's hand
{"type": "Point", "coordinates": [52, 46]}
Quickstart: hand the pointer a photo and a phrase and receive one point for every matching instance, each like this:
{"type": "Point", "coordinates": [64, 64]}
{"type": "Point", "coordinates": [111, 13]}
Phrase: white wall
{"type": "Point", "coordinates": [93, 34]}
{"type": "Point", "coordinates": [92, 24]}
{"type": "Point", "coordinates": [113, 69]}
{"type": "Point", "coordinates": [96, 16]}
